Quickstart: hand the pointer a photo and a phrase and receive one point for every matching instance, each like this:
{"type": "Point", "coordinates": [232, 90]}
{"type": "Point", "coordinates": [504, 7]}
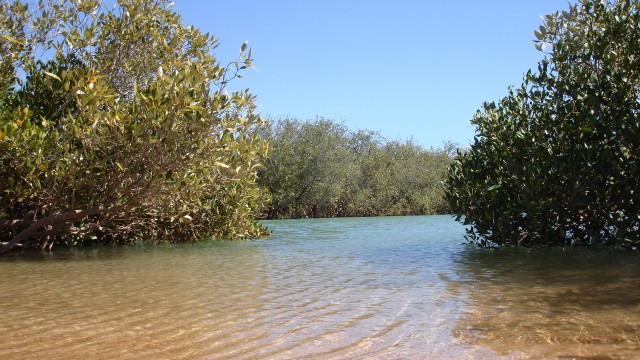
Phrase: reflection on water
{"type": "Point", "coordinates": [548, 303]}
{"type": "Point", "coordinates": [397, 287]}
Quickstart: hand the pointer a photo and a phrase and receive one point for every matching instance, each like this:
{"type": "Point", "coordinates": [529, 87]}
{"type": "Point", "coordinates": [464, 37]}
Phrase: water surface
{"type": "Point", "coordinates": [394, 287]}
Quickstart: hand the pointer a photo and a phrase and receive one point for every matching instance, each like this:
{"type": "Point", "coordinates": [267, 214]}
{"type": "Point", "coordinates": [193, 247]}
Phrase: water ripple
{"type": "Point", "coordinates": [322, 289]}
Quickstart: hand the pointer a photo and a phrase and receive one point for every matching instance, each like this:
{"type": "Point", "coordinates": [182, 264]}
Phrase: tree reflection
{"type": "Point", "coordinates": [550, 302]}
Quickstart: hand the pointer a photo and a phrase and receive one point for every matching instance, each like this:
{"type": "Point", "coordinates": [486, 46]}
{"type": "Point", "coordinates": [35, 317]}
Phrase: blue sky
{"type": "Point", "coordinates": [404, 68]}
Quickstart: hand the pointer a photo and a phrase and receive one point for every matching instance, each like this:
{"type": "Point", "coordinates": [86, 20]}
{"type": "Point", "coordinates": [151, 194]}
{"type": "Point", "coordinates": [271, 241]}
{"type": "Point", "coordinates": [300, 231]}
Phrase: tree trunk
{"type": "Point", "coordinates": [53, 221]}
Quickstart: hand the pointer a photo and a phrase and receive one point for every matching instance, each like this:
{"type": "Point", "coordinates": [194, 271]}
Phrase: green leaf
{"type": "Point", "coordinates": [196, 107]}
{"type": "Point", "coordinates": [52, 75]}
{"type": "Point", "coordinates": [11, 39]}
{"type": "Point", "coordinates": [538, 35]}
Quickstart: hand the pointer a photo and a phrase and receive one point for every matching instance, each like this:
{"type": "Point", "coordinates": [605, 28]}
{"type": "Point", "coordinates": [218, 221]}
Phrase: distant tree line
{"type": "Point", "coordinates": [319, 168]}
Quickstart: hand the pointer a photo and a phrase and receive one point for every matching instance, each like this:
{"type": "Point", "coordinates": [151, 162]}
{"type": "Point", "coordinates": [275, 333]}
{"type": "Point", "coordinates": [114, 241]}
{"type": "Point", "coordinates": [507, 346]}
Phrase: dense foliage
{"type": "Point", "coordinates": [115, 126]}
{"type": "Point", "coordinates": [556, 161]}
{"type": "Point", "coordinates": [321, 169]}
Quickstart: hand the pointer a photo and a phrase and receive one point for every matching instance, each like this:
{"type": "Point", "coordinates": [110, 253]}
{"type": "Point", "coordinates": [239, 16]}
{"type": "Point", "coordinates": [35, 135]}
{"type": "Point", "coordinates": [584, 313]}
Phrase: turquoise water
{"type": "Point", "coordinates": [390, 287]}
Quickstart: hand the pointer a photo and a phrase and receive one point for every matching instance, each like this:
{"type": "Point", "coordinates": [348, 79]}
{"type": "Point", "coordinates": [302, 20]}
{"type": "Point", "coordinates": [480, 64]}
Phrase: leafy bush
{"type": "Point", "coordinates": [556, 161]}
{"type": "Point", "coordinates": [115, 126]}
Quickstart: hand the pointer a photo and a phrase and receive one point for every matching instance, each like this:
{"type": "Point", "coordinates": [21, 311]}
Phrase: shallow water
{"type": "Point", "coordinates": [394, 287]}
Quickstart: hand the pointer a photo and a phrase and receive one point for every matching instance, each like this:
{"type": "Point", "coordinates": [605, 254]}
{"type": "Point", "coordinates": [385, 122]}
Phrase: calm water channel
{"type": "Point", "coordinates": [381, 288]}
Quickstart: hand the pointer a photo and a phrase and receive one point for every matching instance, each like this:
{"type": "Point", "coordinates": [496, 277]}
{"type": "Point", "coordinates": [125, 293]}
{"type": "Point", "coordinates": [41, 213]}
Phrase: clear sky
{"type": "Point", "coordinates": [404, 68]}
